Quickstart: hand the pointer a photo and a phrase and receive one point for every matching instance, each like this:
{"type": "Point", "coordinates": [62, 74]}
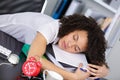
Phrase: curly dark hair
{"type": "Point", "coordinates": [96, 47]}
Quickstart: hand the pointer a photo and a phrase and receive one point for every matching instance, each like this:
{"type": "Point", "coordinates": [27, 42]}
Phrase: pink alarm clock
{"type": "Point", "coordinates": [31, 67]}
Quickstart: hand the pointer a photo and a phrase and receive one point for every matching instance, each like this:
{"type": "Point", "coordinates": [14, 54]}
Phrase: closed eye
{"type": "Point", "coordinates": [75, 37]}
{"type": "Point", "coordinates": [77, 49]}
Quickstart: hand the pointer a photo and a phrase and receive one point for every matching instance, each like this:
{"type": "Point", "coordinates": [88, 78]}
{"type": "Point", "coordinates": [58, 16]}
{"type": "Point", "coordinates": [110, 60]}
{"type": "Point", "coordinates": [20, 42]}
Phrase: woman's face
{"type": "Point", "coordinates": [74, 42]}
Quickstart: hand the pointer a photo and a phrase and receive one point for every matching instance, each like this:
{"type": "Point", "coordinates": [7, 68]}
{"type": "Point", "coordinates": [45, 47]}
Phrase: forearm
{"type": "Point", "coordinates": [38, 47]}
{"type": "Point", "coordinates": [50, 66]}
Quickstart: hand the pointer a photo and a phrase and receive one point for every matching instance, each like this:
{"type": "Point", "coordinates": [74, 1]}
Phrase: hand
{"type": "Point", "coordinates": [81, 75]}
{"type": "Point", "coordinates": [31, 67]}
{"type": "Point", "coordinates": [98, 71]}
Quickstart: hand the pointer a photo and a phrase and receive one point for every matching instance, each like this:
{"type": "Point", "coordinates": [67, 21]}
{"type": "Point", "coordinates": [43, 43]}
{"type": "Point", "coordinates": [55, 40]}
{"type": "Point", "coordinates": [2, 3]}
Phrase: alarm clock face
{"type": "Point", "coordinates": [29, 68]}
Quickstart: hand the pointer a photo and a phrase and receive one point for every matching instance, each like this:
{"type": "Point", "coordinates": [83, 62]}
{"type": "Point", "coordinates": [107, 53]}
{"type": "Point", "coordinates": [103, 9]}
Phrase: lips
{"type": "Point", "coordinates": [64, 45]}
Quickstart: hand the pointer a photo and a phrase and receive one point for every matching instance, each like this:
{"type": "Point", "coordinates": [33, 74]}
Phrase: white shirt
{"type": "Point", "coordinates": [23, 26]}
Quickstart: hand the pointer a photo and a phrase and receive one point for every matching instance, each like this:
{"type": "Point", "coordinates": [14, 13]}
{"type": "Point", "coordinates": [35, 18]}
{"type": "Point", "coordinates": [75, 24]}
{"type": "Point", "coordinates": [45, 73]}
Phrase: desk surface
{"type": "Point", "coordinates": [8, 72]}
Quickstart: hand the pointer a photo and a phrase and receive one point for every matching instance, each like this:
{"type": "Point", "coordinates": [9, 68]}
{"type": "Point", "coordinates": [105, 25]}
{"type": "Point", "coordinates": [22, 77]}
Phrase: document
{"type": "Point", "coordinates": [73, 59]}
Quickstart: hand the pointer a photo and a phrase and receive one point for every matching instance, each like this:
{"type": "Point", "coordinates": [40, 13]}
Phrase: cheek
{"type": "Point", "coordinates": [65, 38]}
{"type": "Point", "coordinates": [60, 43]}
{"type": "Point", "coordinates": [84, 44]}
{"type": "Point", "coordinates": [71, 50]}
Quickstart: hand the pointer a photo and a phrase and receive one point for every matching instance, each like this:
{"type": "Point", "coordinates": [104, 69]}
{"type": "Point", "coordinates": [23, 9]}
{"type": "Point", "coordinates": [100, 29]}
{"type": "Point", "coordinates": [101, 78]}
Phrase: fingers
{"type": "Point", "coordinates": [80, 65]}
{"type": "Point", "coordinates": [94, 70]}
{"type": "Point", "coordinates": [80, 68]}
{"type": "Point", "coordinates": [93, 78]}
{"type": "Point", "coordinates": [81, 74]}
{"type": "Point", "coordinates": [83, 69]}
{"type": "Point", "coordinates": [93, 66]}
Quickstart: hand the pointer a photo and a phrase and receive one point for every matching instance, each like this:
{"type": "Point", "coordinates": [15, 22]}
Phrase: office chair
{"type": "Point", "coordinates": [15, 6]}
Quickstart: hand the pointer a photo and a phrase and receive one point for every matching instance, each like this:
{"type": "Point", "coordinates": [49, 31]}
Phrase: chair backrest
{"type": "Point", "coordinates": [15, 6]}
{"type": "Point", "coordinates": [44, 6]}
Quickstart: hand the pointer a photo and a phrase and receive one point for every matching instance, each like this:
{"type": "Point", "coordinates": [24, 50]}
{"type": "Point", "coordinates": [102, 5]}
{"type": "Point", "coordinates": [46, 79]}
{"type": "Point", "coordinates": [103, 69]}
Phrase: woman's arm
{"type": "Point", "coordinates": [77, 75]}
{"type": "Point", "coordinates": [38, 48]}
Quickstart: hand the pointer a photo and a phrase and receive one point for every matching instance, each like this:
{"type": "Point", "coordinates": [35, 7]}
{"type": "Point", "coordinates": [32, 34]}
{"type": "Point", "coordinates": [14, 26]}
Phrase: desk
{"type": "Point", "coordinates": [8, 72]}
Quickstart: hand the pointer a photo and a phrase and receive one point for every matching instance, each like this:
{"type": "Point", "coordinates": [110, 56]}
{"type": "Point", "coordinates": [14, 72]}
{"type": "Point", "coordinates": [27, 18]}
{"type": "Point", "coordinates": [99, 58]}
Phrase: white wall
{"type": "Point", "coordinates": [89, 3]}
{"type": "Point", "coordinates": [50, 6]}
{"type": "Point", "coordinates": [93, 5]}
{"type": "Point", "coordinates": [113, 58]}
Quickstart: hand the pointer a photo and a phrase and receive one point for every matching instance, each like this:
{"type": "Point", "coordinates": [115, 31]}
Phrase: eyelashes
{"type": "Point", "coordinates": [75, 38]}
